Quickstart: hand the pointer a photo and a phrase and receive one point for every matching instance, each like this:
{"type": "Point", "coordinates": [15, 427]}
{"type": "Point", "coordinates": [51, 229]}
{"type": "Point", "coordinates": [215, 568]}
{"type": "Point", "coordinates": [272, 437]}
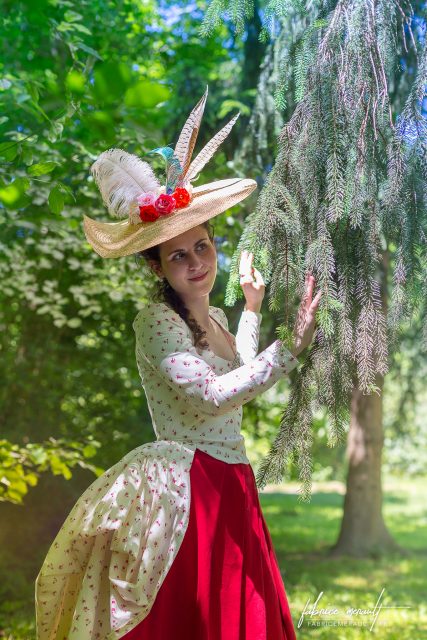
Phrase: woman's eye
{"type": "Point", "coordinates": [178, 256]}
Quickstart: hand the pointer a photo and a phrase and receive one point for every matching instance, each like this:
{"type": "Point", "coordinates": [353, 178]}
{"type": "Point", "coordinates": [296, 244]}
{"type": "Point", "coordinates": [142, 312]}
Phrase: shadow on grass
{"type": "Point", "coordinates": [303, 534]}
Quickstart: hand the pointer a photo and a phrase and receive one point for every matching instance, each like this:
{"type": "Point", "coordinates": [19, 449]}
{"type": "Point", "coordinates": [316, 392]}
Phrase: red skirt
{"type": "Point", "coordinates": [225, 582]}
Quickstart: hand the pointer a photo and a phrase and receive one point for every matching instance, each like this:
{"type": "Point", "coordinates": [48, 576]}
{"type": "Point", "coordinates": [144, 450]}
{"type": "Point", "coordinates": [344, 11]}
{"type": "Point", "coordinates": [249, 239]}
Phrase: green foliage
{"type": "Point", "coordinates": [238, 11]}
{"type": "Point", "coordinates": [305, 52]}
{"type": "Point", "coordinates": [345, 201]}
{"type": "Point", "coordinates": [77, 78]}
{"type": "Point", "coordinates": [20, 466]}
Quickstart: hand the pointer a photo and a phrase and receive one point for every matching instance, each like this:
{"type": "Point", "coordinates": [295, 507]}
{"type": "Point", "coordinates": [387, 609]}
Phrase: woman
{"type": "Point", "coordinates": [171, 542]}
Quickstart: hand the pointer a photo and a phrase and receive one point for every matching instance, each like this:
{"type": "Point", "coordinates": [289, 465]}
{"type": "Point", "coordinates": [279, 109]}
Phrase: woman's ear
{"type": "Point", "coordinates": [155, 266]}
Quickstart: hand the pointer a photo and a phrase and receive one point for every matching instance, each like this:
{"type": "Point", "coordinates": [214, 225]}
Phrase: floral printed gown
{"type": "Point", "coordinates": [106, 565]}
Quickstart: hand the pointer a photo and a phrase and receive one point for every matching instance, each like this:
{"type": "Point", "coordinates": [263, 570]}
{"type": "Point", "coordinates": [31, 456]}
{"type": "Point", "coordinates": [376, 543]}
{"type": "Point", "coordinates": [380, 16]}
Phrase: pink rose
{"type": "Point", "coordinates": [146, 199]}
{"type": "Point", "coordinates": [165, 204]}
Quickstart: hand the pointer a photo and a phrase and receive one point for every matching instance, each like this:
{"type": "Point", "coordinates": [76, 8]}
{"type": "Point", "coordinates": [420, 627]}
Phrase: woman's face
{"type": "Point", "coordinates": [185, 257]}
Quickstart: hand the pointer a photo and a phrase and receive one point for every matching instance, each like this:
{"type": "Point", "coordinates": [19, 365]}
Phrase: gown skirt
{"type": "Point", "coordinates": [224, 583]}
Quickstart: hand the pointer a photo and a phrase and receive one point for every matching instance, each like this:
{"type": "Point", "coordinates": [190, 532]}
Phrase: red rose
{"type": "Point", "coordinates": [165, 204]}
{"type": "Point", "coordinates": [182, 197]}
{"type": "Point", "coordinates": [148, 213]}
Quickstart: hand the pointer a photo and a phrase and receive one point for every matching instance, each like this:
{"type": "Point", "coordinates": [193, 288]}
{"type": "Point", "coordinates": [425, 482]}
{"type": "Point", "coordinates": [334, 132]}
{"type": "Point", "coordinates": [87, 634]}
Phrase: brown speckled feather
{"type": "Point", "coordinates": [188, 136]}
{"type": "Point", "coordinates": [209, 149]}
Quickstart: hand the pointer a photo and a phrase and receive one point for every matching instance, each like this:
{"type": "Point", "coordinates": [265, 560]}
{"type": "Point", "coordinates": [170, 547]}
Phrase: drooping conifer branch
{"type": "Point", "coordinates": [347, 190]}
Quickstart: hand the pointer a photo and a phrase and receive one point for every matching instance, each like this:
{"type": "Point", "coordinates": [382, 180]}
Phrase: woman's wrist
{"type": "Point", "coordinates": [297, 352]}
{"type": "Point", "coordinates": [252, 307]}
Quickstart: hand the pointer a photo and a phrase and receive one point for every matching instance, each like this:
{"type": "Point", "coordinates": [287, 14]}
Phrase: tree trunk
{"type": "Point", "coordinates": [363, 531]}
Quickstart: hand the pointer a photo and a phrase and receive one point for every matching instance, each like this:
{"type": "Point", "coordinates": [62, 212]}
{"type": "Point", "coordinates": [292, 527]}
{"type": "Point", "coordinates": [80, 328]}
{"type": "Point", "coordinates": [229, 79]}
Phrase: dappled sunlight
{"type": "Point", "coordinates": [303, 534]}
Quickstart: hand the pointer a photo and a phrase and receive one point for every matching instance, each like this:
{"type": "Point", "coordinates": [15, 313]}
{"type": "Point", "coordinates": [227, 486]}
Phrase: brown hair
{"type": "Point", "coordinates": [163, 292]}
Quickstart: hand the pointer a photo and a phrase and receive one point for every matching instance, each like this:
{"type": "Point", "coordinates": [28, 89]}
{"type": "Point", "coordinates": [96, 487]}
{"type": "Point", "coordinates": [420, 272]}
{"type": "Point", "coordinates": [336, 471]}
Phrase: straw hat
{"type": "Point", "coordinates": [152, 213]}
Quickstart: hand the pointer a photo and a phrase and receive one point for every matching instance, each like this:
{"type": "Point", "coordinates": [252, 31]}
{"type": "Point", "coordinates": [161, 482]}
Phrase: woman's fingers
{"type": "Point", "coordinates": [309, 286]}
{"type": "Point", "coordinates": [258, 277]}
{"type": "Point", "coordinates": [311, 311]}
{"type": "Point", "coordinates": [315, 303]}
{"type": "Point", "coordinates": [243, 259]}
{"type": "Point", "coordinates": [245, 265]}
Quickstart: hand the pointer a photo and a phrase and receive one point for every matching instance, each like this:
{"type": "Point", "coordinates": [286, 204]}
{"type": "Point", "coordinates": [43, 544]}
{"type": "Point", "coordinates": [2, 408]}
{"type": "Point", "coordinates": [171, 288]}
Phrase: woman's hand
{"type": "Point", "coordinates": [251, 282]}
{"type": "Point", "coordinates": [305, 321]}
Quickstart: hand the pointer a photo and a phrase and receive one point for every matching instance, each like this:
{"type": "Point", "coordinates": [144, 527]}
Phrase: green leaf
{"type": "Point", "coordinates": [56, 200]}
{"type": "Point", "coordinates": [146, 95]}
{"type": "Point", "coordinates": [27, 156]}
{"type": "Point", "coordinates": [72, 16]}
{"type": "Point", "coordinates": [8, 150]}
{"type": "Point", "coordinates": [84, 47]}
{"type": "Point", "coordinates": [31, 479]}
{"type": "Point", "coordinates": [81, 28]}
{"type": "Point", "coordinates": [74, 323]}
{"type": "Point", "coordinates": [22, 183]}
{"type": "Point", "coordinates": [111, 81]}
{"type": "Point", "coordinates": [75, 81]}
{"type": "Point", "coordinates": [38, 455]}
{"type": "Point", "coordinates": [58, 467]}
{"type": "Point", "coordinates": [65, 26]}
{"type": "Point", "coordinates": [41, 168]}
{"type": "Point", "coordinates": [228, 106]}
{"type": "Point", "coordinates": [89, 451]}
{"type": "Point", "coordinates": [13, 195]}
{"type": "Point", "coordinates": [66, 190]}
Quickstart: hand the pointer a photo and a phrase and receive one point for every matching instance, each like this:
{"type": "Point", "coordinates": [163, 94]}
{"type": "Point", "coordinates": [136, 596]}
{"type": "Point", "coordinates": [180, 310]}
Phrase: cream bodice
{"type": "Point", "coordinates": [196, 397]}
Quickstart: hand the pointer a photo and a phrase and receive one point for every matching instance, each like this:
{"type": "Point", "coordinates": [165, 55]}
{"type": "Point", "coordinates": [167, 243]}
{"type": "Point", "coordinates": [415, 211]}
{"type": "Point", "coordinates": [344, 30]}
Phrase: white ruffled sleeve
{"type": "Point", "coordinates": [164, 343]}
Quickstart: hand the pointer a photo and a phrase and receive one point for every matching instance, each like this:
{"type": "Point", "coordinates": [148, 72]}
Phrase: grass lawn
{"type": "Point", "coordinates": [302, 534]}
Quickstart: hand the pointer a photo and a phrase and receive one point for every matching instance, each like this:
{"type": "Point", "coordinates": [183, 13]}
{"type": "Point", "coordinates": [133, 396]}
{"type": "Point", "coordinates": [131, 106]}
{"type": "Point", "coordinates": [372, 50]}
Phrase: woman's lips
{"type": "Point", "coordinates": [200, 277]}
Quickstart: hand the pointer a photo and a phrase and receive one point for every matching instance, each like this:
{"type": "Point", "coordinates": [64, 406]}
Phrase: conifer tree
{"type": "Point", "coordinates": [345, 200]}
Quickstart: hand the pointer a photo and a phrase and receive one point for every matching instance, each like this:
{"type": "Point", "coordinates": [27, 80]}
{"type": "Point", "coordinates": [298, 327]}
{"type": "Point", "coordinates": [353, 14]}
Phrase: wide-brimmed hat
{"type": "Point", "coordinates": [153, 213]}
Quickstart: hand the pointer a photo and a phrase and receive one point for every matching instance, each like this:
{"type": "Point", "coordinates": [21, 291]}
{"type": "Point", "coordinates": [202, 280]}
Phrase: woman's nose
{"type": "Point", "coordinates": [194, 261]}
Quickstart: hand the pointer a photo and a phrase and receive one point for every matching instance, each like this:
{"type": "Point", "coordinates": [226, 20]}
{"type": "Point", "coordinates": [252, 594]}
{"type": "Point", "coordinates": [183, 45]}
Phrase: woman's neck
{"type": "Point", "coordinates": [199, 310]}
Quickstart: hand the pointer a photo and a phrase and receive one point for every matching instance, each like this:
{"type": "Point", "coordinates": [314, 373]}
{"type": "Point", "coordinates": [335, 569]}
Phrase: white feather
{"type": "Point", "coordinates": [121, 177]}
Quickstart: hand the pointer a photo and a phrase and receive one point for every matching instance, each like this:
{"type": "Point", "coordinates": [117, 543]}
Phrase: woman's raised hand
{"type": "Point", "coordinates": [251, 282]}
{"type": "Point", "coordinates": [306, 317]}
{"type": "Point", "coordinates": [253, 287]}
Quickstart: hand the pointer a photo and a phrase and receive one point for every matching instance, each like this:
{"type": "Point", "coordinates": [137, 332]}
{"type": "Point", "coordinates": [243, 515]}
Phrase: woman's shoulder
{"type": "Point", "coordinates": [157, 313]}
{"type": "Point", "coordinates": [219, 313]}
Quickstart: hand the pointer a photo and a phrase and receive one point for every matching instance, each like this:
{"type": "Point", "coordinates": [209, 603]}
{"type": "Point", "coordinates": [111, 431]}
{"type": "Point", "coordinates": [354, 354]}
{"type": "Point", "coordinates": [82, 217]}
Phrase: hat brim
{"type": "Point", "coordinates": [116, 239]}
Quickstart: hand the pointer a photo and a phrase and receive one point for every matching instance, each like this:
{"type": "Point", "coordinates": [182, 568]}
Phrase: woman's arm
{"type": "Point", "coordinates": [247, 334]}
{"type": "Point", "coordinates": [163, 341]}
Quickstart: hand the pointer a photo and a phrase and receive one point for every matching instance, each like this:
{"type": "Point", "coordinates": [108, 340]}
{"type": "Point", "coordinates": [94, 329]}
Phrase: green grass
{"type": "Point", "coordinates": [303, 533]}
